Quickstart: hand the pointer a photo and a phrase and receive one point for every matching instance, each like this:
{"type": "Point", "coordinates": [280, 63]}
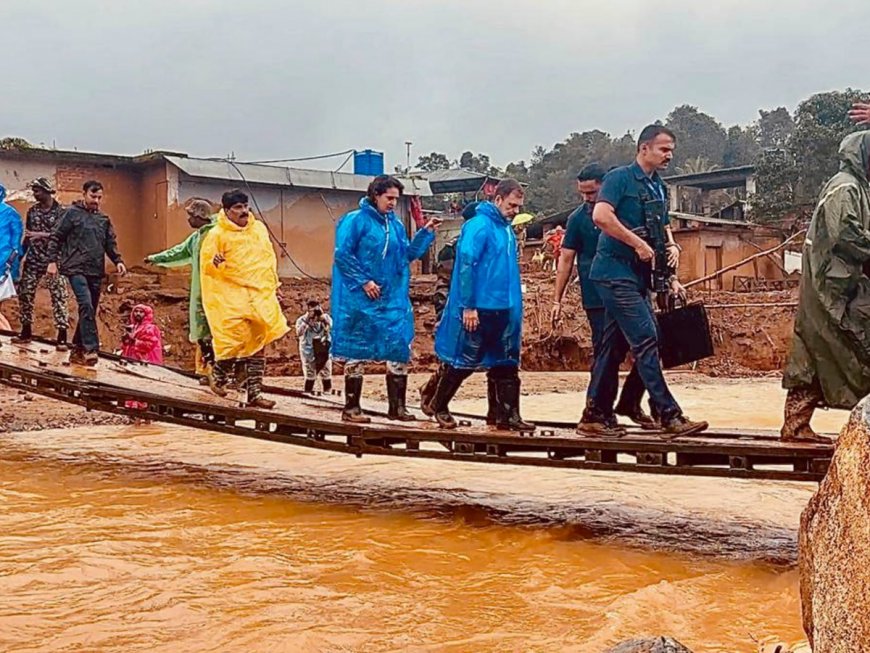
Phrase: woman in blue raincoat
{"type": "Point", "coordinates": [370, 304]}
{"type": "Point", "coordinates": [11, 248]}
{"type": "Point", "coordinates": [482, 322]}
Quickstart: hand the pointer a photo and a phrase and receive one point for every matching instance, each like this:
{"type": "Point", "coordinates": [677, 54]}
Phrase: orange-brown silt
{"type": "Point", "coordinates": [155, 538]}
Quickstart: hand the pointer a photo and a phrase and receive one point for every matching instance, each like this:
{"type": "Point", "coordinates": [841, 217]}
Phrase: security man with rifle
{"type": "Point", "coordinates": [636, 255]}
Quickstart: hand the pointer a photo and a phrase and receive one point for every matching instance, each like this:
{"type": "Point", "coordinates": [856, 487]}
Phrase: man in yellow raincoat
{"type": "Point", "coordinates": [239, 277]}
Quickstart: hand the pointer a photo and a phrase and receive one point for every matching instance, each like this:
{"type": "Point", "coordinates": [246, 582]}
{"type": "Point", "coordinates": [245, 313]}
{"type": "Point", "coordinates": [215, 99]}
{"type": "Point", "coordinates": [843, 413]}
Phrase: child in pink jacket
{"type": "Point", "coordinates": [142, 341]}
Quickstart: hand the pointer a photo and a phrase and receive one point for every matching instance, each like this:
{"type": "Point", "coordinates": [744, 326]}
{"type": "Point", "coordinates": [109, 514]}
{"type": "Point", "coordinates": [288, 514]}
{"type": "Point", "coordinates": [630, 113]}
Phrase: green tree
{"type": "Point", "coordinates": [696, 166]}
{"type": "Point", "coordinates": [434, 161]}
{"type": "Point", "coordinates": [741, 146]}
{"type": "Point", "coordinates": [15, 143]}
{"type": "Point", "coordinates": [478, 163]}
{"type": "Point", "coordinates": [774, 128]}
{"type": "Point", "coordinates": [698, 135]}
{"type": "Point", "coordinates": [821, 122]}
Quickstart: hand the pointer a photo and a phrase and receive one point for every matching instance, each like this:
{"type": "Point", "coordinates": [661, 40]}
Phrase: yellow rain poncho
{"type": "Point", "coordinates": [239, 295]}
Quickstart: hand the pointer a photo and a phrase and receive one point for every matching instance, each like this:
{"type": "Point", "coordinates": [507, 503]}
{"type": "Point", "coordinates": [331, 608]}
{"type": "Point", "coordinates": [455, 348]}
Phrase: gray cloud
{"type": "Point", "coordinates": [271, 78]}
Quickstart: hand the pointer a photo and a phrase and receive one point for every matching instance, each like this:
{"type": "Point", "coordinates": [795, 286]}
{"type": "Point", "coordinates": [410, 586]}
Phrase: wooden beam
{"type": "Point", "coordinates": [734, 266]}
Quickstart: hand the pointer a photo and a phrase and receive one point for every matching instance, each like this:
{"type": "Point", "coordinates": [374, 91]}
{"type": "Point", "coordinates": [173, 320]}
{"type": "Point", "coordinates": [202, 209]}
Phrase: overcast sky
{"type": "Point", "coordinates": [284, 78]}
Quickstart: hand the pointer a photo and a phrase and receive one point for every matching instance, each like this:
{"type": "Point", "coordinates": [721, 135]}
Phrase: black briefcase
{"type": "Point", "coordinates": [684, 335]}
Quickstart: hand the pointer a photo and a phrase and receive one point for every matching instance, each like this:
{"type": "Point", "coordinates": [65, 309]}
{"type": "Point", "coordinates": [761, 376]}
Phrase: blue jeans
{"type": "Point", "coordinates": [633, 389]}
{"type": "Point", "coordinates": [629, 323]}
{"type": "Point", "coordinates": [87, 293]}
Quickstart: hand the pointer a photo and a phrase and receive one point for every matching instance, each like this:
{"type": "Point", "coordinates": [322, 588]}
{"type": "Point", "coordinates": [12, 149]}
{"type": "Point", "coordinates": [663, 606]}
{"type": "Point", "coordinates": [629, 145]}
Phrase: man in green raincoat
{"type": "Point", "coordinates": [829, 362]}
{"type": "Point", "coordinates": [201, 219]}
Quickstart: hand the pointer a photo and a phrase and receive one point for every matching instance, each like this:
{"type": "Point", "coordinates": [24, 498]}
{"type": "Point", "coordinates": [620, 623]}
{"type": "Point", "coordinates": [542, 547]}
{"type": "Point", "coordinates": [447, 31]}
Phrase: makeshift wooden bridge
{"type": "Point", "coordinates": [174, 397]}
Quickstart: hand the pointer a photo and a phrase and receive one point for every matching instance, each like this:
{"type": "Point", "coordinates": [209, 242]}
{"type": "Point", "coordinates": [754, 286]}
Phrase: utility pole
{"type": "Point", "coordinates": [408, 145]}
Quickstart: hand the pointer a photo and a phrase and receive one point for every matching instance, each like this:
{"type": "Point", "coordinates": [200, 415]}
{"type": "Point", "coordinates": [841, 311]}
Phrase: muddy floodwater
{"type": "Point", "coordinates": [151, 538]}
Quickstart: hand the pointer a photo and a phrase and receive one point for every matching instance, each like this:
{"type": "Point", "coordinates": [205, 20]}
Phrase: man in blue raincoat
{"type": "Point", "coordinates": [370, 302]}
{"type": "Point", "coordinates": [11, 232]}
{"type": "Point", "coordinates": [483, 319]}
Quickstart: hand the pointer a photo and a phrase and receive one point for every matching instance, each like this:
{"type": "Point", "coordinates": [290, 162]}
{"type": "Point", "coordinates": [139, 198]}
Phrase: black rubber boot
{"type": "Point", "coordinates": [491, 400]}
{"type": "Point", "coordinates": [25, 336]}
{"type": "Point", "coordinates": [309, 386]}
{"type": "Point", "coordinates": [448, 385]}
{"type": "Point", "coordinates": [352, 395]}
{"type": "Point", "coordinates": [509, 403]}
{"type": "Point", "coordinates": [327, 386]}
{"type": "Point", "coordinates": [397, 388]}
{"type": "Point", "coordinates": [61, 340]}
{"type": "Point", "coordinates": [427, 391]}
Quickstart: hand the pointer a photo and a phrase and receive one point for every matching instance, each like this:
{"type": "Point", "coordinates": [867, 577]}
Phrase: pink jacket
{"type": "Point", "coordinates": [143, 342]}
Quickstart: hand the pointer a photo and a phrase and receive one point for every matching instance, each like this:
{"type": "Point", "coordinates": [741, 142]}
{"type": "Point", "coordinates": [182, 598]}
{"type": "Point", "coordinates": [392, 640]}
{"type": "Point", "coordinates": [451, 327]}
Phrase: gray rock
{"type": "Point", "coordinates": [834, 546]}
{"type": "Point", "coordinates": [657, 645]}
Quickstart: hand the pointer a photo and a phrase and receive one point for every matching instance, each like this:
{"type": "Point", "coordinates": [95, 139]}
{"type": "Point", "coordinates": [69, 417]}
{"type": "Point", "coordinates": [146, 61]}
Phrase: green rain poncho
{"type": "Point", "coordinates": [187, 253]}
{"type": "Point", "coordinates": [832, 329]}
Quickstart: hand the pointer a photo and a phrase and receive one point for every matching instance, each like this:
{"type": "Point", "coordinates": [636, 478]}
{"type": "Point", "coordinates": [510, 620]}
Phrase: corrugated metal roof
{"type": "Point", "coordinates": [281, 176]}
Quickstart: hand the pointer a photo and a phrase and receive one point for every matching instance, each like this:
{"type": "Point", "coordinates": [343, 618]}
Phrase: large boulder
{"type": "Point", "coordinates": [834, 547]}
{"type": "Point", "coordinates": [657, 645]}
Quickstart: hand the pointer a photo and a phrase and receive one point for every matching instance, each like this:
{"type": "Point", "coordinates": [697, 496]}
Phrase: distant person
{"type": "Point", "coordinates": [622, 273]}
{"type": "Point", "coordinates": [79, 243]}
{"type": "Point", "coordinates": [371, 304]}
{"type": "Point", "coordinates": [444, 265]}
{"type": "Point", "coordinates": [239, 276]}
{"type": "Point", "coordinates": [581, 243]}
{"type": "Point", "coordinates": [482, 324]}
{"type": "Point", "coordinates": [10, 249]}
{"type": "Point", "coordinates": [142, 341]}
{"type": "Point", "coordinates": [830, 352]}
{"type": "Point", "coordinates": [42, 218]}
{"type": "Point", "coordinates": [201, 218]}
{"type": "Point", "coordinates": [313, 329]}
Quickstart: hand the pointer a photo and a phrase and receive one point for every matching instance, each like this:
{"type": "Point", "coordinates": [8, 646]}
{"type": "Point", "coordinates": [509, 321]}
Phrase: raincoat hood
{"type": "Point", "coordinates": [147, 318]}
{"type": "Point", "coordinates": [225, 222]}
{"type": "Point", "coordinates": [855, 154]}
{"type": "Point", "coordinates": [144, 341]}
{"type": "Point", "coordinates": [366, 205]}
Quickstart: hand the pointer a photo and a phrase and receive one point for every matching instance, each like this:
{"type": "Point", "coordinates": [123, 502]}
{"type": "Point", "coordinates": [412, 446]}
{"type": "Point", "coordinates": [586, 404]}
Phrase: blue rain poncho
{"type": "Point", "coordinates": [373, 247]}
{"type": "Point", "coordinates": [486, 277]}
{"type": "Point", "coordinates": [11, 233]}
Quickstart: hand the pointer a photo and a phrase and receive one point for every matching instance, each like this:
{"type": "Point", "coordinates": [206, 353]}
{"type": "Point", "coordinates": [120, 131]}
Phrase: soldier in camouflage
{"type": "Point", "coordinates": [444, 273]}
{"type": "Point", "coordinates": [41, 219]}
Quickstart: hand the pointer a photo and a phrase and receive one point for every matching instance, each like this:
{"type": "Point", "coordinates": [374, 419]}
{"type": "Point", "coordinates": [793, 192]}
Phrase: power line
{"type": "Point", "coordinates": [274, 238]}
{"type": "Point", "coordinates": [306, 158]}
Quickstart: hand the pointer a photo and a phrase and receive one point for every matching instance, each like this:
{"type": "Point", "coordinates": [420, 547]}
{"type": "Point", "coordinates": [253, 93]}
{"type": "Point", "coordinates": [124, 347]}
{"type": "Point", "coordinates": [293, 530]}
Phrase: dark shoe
{"type": "Point", "coordinates": [427, 392]}
{"type": "Point", "coordinates": [261, 402]}
{"type": "Point", "coordinates": [680, 426]}
{"type": "Point", "coordinates": [445, 420]}
{"type": "Point", "coordinates": [491, 401]}
{"type": "Point", "coordinates": [327, 386]}
{"type": "Point", "coordinates": [309, 386]}
{"type": "Point", "coordinates": [77, 356]}
{"type": "Point", "coordinates": [638, 416]}
{"type": "Point", "coordinates": [397, 387]}
{"type": "Point", "coordinates": [599, 430]}
{"type": "Point", "coordinates": [352, 394]}
{"type": "Point", "coordinates": [91, 359]}
{"type": "Point", "coordinates": [61, 340]}
{"type": "Point", "coordinates": [508, 393]}
{"type": "Point", "coordinates": [24, 337]}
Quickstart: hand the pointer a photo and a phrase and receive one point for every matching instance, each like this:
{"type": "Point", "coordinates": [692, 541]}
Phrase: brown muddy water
{"type": "Point", "coordinates": [161, 539]}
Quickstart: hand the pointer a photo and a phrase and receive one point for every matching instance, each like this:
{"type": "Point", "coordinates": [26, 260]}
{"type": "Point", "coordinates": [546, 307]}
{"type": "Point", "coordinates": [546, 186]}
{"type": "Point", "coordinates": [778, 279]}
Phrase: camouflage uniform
{"type": "Point", "coordinates": [36, 265]}
{"type": "Point", "coordinates": [444, 272]}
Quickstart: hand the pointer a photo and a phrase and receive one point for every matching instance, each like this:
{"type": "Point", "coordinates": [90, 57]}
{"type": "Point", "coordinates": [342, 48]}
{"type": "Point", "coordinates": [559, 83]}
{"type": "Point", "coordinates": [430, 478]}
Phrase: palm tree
{"type": "Point", "coordinates": [697, 166]}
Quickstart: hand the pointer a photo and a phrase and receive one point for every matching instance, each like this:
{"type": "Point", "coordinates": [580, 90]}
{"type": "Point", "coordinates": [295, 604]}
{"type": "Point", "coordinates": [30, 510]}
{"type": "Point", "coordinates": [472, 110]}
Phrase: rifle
{"type": "Point", "coordinates": [653, 232]}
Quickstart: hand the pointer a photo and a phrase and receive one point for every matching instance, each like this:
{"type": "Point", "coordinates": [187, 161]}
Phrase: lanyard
{"type": "Point", "coordinates": [656, 188]}
{"type": "Point", "coordinates": [386, 236]}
